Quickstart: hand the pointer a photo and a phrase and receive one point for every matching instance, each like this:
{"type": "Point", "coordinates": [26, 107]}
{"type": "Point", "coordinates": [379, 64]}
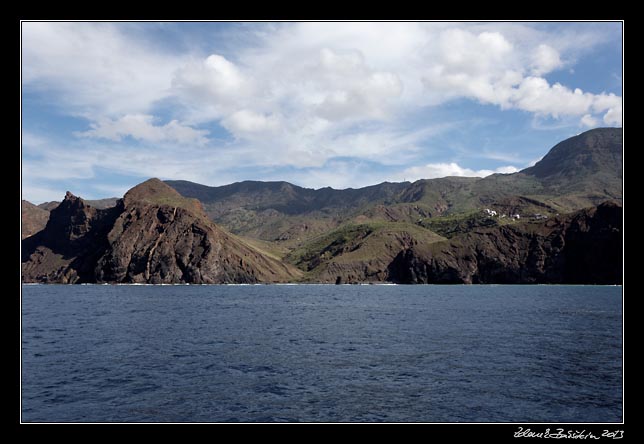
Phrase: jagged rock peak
{"type": "Point", "coordinates": [70, 202]}
{"type": "Point", "coordinates": [71, 197]}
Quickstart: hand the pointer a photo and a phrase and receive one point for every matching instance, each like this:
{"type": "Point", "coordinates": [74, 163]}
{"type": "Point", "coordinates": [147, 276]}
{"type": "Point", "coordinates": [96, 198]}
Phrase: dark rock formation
{"type": "Point", "coordinates": [153, 235]}
{"type": "Point", "coordinates": [582, 248]}
{"type": "Point", "coordinates": [73, 239]}
{"type": "Point", "coordinates": [34, 217]}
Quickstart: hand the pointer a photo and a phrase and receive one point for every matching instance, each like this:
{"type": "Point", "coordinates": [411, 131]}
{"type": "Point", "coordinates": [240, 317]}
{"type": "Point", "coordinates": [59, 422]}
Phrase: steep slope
{"type": "Point", "coordinates": [48, 206]}
{"type": "Point", "coordinates": [581, 171]}
{"type": "Point", "coordinates": [357, 252]}
{"type": "Point", "coordinates": [581, 248]}
{"type": "Point", "coordinates": [595, 151]}
{"type": "Point", "coordinates": [153, 235]}
{"type": "Point", "coordinates": [33, 219]}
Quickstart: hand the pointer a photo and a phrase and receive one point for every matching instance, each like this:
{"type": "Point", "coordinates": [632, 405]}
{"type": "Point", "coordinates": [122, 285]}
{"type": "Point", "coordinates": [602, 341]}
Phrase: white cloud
{"type": "Point", "coordinates": [141, 127]}
{"type": "Point", "coordinates": [301, 95]}
{"type": "Point", "coordinates": [546, 59]}
{"type": "Point", "coordinates": [215, 86]}
{"type": "Point", "coordinates": [536, 95]}
{"type": "Point", "coordinates": [465, 64]}
{"type": "Point", "coordinates": [588, 121]}
{"type": "Point", "coordinates": [95, 68]}
{"type": "Point", "coordinates": [486, 67]}
{"type": "Point", "coordinates": [489, 68]}
{"type": "Point", "coordinates": [508, 169]}
{"type": "Point", "coordinates": [368, 98]}
{"type": "Point", "coordinates": [436, 170]}
{"type": "Point", "coordinates": [349, 89]}
{"type": "Point", "coordinates": [337, 70]}
{"type": "Point", "coordinates": [612, 105]}
{"type": "Point", "coordinates": [246, 123]}
{"type": "Point", "coordinates": [341, 174]}
{"type": "Point", "coordinates": [614, 116]}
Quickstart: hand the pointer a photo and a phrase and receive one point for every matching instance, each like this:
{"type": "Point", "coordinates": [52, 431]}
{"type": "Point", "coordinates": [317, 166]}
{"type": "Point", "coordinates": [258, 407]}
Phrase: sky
{"type": "Point", "coordinates": [107, 105]}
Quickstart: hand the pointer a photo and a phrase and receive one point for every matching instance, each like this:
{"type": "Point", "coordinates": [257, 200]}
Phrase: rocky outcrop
{"type": "Point", "coordinates": [152, 235]}
{"type": "Point", "coordinates": [66, 249]}
{"type": "Point", "coordinates": [582, 248]}
{"type": "Point", "coordinates": [34, 217]}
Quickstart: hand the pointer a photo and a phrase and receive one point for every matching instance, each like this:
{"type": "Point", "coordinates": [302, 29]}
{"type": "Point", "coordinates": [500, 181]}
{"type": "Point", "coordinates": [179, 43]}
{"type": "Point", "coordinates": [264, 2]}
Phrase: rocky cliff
{"type": "Point", "coordinates": [152, 235]}
{"type": "Point", "coordinates": [582, 248]}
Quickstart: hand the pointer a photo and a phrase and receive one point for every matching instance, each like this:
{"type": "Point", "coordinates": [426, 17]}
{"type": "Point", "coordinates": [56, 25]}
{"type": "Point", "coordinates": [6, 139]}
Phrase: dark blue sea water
{"type": "Point", "coordinates": [317, 353]}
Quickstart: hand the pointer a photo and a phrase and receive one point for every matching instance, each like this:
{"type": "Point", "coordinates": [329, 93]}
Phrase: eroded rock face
{"type": "Point", "coordinates": [142, 241]}
{"type": "Point", "coordinates": [152, 244]}
{"type": "Point", "coordinates": [583, 248]}
{"type": "Point", "coordinates": [65, 250]}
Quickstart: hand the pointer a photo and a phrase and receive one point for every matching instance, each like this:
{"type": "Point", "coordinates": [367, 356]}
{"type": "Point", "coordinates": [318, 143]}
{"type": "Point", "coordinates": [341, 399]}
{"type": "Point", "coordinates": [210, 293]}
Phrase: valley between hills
{"type": "Point", "coordinates": [557, 222]}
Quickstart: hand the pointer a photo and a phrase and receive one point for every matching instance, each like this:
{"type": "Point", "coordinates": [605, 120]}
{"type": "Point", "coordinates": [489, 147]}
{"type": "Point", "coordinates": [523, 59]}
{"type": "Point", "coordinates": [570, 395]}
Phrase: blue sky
{"type": "Point", "coordinates": [108, 105]}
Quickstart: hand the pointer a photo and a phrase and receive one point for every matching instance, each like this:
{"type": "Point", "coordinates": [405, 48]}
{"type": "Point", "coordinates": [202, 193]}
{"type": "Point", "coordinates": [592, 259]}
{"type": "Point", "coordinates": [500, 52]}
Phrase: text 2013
{"type": "Point", "coordinates": [567, 434]}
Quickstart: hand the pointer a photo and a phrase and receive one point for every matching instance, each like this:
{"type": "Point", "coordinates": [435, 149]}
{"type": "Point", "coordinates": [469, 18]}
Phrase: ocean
{"type": "Point", "coordinates": [321, 353]}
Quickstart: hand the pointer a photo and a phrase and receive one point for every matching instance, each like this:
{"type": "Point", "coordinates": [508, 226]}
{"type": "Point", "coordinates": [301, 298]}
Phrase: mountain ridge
{"type": "Point", "coordinates": [142, 241]}
{"type": "Point", "coordinates": [280, 211]}
{"type": "Point", "coordinates": [532, 226]}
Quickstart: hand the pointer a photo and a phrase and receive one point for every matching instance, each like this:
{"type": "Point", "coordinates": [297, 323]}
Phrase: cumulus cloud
{"type": "Point", "coordinates": [215, 83]}
{"type": "Point", "coordinates": [611, 105]}
{"type": "Point", "coordinates": [301, 94]}
{"type": "Point", "coordinates": [367, 99]}
{"type": "Point", "coordinates": [614, 116]}
{"type": "Point", "coordinates": [305, 73]}
{"type": "Point", "coordinates": [141, 127]}
{"type": "Point", "coordinates": [342, 70]}
{"type": "Point", "coordinates": [466, 64]}
{"type": "Point", "coordinates": [350, 89]}
{"type": "Point", "coordinates": [246, 123]}
{"type": "Point", "coordinates": [536, 95]}
{"type": "Point", "coordinates": [588, 121]}
{"type": "Point", "coordinates": [546, 59]}
{"type": "Point", "coordinates": [487, 68]}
